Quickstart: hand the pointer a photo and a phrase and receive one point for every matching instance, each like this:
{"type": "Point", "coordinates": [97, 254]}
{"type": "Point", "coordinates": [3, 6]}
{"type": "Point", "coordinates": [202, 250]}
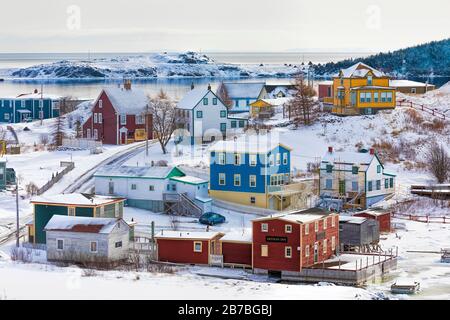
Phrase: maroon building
{"type": "Point", "coordinates": [382, 216]}
{"type": "Point", "coordinates": [325, 90]}
{"type": "Point", "coordinates": [119, 116]}
{"type": "Point", "coordinates": [236, 249]}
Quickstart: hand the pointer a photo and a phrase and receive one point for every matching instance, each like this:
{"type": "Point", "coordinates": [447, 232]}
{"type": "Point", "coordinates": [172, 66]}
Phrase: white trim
{"type": "Point", "coordinates": [57, 242]}
{"type": "Point", "coordinates": [96, 246]}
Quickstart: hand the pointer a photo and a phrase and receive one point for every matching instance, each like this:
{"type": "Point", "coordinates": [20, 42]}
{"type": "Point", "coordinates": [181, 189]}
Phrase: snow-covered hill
{"type": "Point", "coordinates": [165, 65]}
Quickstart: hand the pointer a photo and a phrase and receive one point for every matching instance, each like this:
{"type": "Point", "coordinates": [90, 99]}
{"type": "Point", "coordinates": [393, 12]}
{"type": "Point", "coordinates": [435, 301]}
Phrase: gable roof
{"type": "Point", "coordinates": [244, 89]}
{"type": "Point", "coordinates": [348, 157]}
{"type": "Point", "coordinates": [147, 172]}
{"type": "Point", "coordinates": [77, 199]}
{"type": "Point", "coordinates": [303, 216]}
{"type": "Point", "coordinates": [81, 224]}
{"type": "Point", "coordinates": [192, 98]}
{"type": "Point", "coordinates": [133, 101]}
{"type": "Point", "coordinates": [360, 70]}
{"type": "Point", "coordinates": [248, 144]}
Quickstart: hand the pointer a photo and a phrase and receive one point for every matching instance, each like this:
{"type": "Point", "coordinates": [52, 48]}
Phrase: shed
{"type": "Point", "coordinates": [382, 216]}
{"type": "Point", "coordinates": [325, 90]}
{"type": "Point", "coordinates": [358, 231]}
{"type": "Point", "coordinates": [187, 247]}
{"type": "Point", "coordinates": [85, 239]}
{"type": "Point", "coordinates": [236, 249]}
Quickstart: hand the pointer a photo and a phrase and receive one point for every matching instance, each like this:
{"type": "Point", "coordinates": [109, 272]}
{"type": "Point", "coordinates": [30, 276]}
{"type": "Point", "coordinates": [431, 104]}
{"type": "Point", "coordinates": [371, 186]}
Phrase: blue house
{"type": "Point", "coordinates": [28, 107]}
{"type": "Point", "coordinates": [242, 94]}
{"type": "Point", "coordinates": [252, 171]}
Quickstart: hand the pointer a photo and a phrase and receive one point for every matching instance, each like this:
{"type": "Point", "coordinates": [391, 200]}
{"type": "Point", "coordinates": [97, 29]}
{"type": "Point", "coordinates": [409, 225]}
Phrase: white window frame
{"type": "Point", "coordinates": [96, 247]}
{"type": "Point", "coordinates": [264, 250]}
{"type": "Point", "coordinates": [307, 251]}
{"type": "Point", "coordinates": [95, 118]}
{"type": "Point", "coordinates": [285, 158]}
{"type": "Point", "coordinates": [88, 134]}
{"type": "Point", "coordinates": [325, 223]}
{"type": "Point", "coordinates": [123, 119]}
{"type": "Point", "coordinates": [57, 244]}
{"type": "Point", "coordinates": [100, 118]}
{"type": "Point", "coordinates": [95, 134]}
{"type": "Point", "coordinates": [307, 229]}
{"type": "Point", "coordinates": [222, 158]}
{"type": "Point", "coordinates": [333, 221]}
{"type": "Point", "coordinates": [271, 160]}
{"type": "Point", "coordinates": [288, 252]}
{"type": "Point", "coordinates": [100, 103]}
{"type": "Point", "coordinates": [118, 247]}
{"type": "Point", "coordinates": [7, 117]}
{"type": "Point", "coordinates": [224, 179]}
{"type": "Point", "coordinates": [151, 188]}
{"type": "Point", "coordinates": [333, 243]}
{"type": "Point", "coordinates": [140, 119]}
{"type": "Point", "coordinates": [70, 210]}
{"type": "Point", "coordinates": [237, 159]}
{"type": "Point", "coordinates": [133, 186]}
{"type": "Point", "coordinates": [253, 160]}
{"type": "Point", "coordinates": [316, 226]}
{"type": "Point", "coordinates": [288, 228]}
{"type": "Point", "coordinates": [199, 250]}
{"type": "Point", "coordinates": [252, 178]}
{"type": "Point", "coordinates": [325, 246]}
{"type": "Point", "coordinates": [264, 227]}
{"type": "Point", "coordinates": [278, 159]}
{"type": "Point", "coordinates": [235, 180]}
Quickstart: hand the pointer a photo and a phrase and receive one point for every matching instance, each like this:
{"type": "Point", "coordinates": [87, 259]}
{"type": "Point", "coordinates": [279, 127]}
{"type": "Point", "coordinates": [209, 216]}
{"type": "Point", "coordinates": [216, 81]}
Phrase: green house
{"type": "Point", "coordinates": [7, 175]}
{"type": "Point", "coordinates": [79, 205]}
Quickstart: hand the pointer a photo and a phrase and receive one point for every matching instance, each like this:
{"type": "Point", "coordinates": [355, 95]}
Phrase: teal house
{"type": "Point", "coordinates": [28, 107]}
{"type": "Point", "coordinates": [7, 175]}
{"type": "Point", "coordinates": [74, 205]}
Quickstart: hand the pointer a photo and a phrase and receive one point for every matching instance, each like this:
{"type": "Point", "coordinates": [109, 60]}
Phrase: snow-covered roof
{"type": "Point", "coordinates": [352, 219]}
{"type": "Point", "coordinates": [326, 83]}
{"type": "Point", "coordinates": [81, 224]}
{"type": "Point", "coordinates": [192, 98]}
{"type": "Point", "coordinates": [407, 83]}
{"type": "Point", "coordinates": [154, 172]}
{"type": "Point", "coordinates": [236, 236]}
{"type": "Point", "coordinates": [132, 101]}
{"type": "Point", "coordinates": [372, 88]}
{"type": "Point", "coordinates": [244, 89]}
{"type": "Point", "coordinates": [37, 96]}
{"type": "Point", "coordinates": [360, 70]}
{"type": "Point", "coordinates": [348, 157]}
{"type": "Point", "coordinates": [275, 102]}
{"type": "Point", "coordinates": [75, 199]}
{"type": "Point", "coordinates": [191, 235]}
{"type": "Point", "coordinates": [189, 180]}
{"type": "Point", "coordinates": [247, 144]}
{"type": "Point", "coordinates": [374, 212]}
{"type": "Point", "coordinates": [303, 216]}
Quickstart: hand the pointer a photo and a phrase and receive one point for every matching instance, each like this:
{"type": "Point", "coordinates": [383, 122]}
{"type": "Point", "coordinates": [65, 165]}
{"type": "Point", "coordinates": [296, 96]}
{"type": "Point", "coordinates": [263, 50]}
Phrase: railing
{"type": "Point", "coordinates": [69, 167]}
{"type": "Point", "coordinates": [421, 107]}
{"type": "Point", "coordinates": [289, 188]}
{"type": "Point", "coordinates": [183, 204]}
{"type": "Point", "coordinates": [81, 143]}
{"type": "Point", "coordinates": [422, 218]}
{"type": "Point", "coordinates": [328, 100]}
{"type": "Point", "coordinates": [216, 260]}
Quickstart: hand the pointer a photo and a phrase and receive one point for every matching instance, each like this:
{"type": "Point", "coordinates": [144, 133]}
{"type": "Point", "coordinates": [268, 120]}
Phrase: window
{"type": "Point", "coordinates": [368, 97]}
{"type": "Point", "coordinates": [329, 168]}
{"type": "Point", "coordinates": [205, 101]}
{"type": "Point", "coordinates": [325, 246]}
{"type": "Point", "coordinates": [248, 102]}
{"type": "Point", "coordinates": [215, 101]}
{"type": "Point", "coordinates": [88, 133]}
{"type": "Point", "coordinates": [333, 243]}
{"type": "Point", "coordinates": [383, 96]}
{"type": "Point", "coordinates": [118, 244]}
{"type": "Point", "coordinates": [307, 228]}
{"type": "Point", "coordinates": [222, 179]}
{"type": "Point", "coordinates": [253, 181]}
{"type": "Point", "coordinates": [237, 159]}
{"type": "Point", "coordinates": [233, 124]}
{"type": "Point", "coordinates": [391, 182]}
{"type": "Point", "coordinates": [60, 244]}
{"type": "Point", "coordinates": [307, 251]}
{"type": "Point", "coordinates": [316, 226]}
{"type": "Point", "coordinates": [378, 169]}
{"type": "Point", "coordinates": [355, 186]}
{"type": "Point", "coordinates": [71, 212]}
{"type": "Point", "coordinates": [278, 159]}
{"type": "Point", "coordinates": [222, 158]}
{"type": "Point", "coordinates": [252, 200]}
{"type": "Point", "coordinates": [271, 160]}
{"type": "Point", "coordinates": [95, 134]}
{"type": "Point", "coordinates": [329, 184]}
{"type": "Point", "coordinates": [151, 188]}
{"type": "Point", "coordinates": [355, 170]}
{"type": "Point", "coordinates": [7, 116]}
{"type": "Point", "coordinates": [199, 114]}
{"type": "Point", "coordinates": [285, 158]}
{"type": "Point", "coordinates": [94, 246]}
{"type": "Point", "coordinates": [288, 228]}
{"type": "Point", "coordinates": [100, 103]}
{"type": "Point", "coordinates": [236, 104]}
{"type": "Point", "coordinates": [123, 119]}
{"type": "Point", "coordinates": [253, 160]}
{"type": "Point", "coordinates": [223, 114]}
{"type": "Point", "coordinates": [102, 211]}
{"type": "Point", "coordinates": [117, 210]}
{"type": "Point", "coordinates": [223, 127]}
{"type": "Point", "coordinates": [237, 180]}
{"type": "Point", "coordinates": [369, 80]}
{"type": "Point", "coordinates": [95, 118]}
{"type": "Point", "coordinates": [198, 246]}
{"type": "Point", "coordinates": [370, 187]}
{"type": "Point", "coordinates": [264, 227]}
{"type": "Point", "coordinates": [333, 221]}
{"type": "Point", "coordinates": [386, 183]}
{"type": "Point", "coordinates": [133, 187]}
{"type": "Point", "coordinates": [288, 252]}
{"type": "Point", "coordinates": [241, 123]}
{"type": "Point", "coordinates": [362, 97]}
{"type": "Point", "coordinates": [413, 90]}
{"type": "Point", "coordinates": [140, 119]}
{"type": "Point", "coordinates": [389, 96]}
{"type": "Point", "coordinates": [378, 184]}
{"type": "Point", "coordinates": [264, 250]}
{"type": "Point", "coordinates": [375, 97]}
{"type": "Point", "coordinates": [325, 223]}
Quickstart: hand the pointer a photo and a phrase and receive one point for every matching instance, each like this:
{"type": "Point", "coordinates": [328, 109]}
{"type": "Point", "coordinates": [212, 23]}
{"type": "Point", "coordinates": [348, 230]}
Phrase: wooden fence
{"type": "Point", "coordinates": [421, 107]}
{"type": "Point", "coordinates": [81, 143]}
{"type": "Point", "coordinates": [69, 167]}
{"type": "Point", "coordinates": [422, 218]}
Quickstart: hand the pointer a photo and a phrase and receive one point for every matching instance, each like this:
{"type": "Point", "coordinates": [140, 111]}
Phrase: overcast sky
{"type": "Point", "coordinates": [226, 25]}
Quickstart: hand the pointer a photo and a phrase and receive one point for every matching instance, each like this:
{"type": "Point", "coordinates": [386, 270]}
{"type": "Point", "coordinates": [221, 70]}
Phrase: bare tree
{"type": "Point", "coordinates": [302, 108]}
{"type": "Point", "coordinates": [163, 111]}
{"type": "Point", "coordinates": [438, 162]}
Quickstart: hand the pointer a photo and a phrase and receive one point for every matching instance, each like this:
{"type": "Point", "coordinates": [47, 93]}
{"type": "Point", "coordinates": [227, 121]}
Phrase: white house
{"type": "Point", "coordinates": [354, 179]}
{"type": "Point", "coordinates": [154, 188]}
{"type": "Point", "coordinates": [86, 239]}
{"type": "Point", "coordinates": [203, 117]}
{"type": "Point", "coordinates": [242, 94]}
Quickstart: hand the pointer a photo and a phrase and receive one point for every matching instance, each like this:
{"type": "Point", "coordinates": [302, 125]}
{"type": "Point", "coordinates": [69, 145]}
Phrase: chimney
{"type": "Point", "coordinates": [372, 151]}
{"type": "Point", "coordinates": [209, 87]}
{"type": "Point", "coordinates": [192, 86]}
{"type": "Point", "coordinates": [330, 149]}
{"type": "Point", "coordinates": [127, 84]}
{"type": "Point", "coordinates": [36, 91]}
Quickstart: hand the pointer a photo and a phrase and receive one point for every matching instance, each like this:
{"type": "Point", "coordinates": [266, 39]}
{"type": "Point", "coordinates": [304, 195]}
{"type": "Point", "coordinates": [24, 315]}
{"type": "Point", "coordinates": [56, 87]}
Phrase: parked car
{"type": "Point", "coordinates": [211, 219]}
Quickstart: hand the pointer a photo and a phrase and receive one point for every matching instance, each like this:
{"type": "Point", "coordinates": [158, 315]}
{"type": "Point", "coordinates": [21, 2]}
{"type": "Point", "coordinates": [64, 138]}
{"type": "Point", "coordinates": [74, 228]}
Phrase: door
{"type": "Point", "coordinates": [342, 187]}
{"type": "Point", "coordinates": [316, 252]}
{"type": "Point", "coordinates": [111, 187]}
{"type": "Point", "coordinates": [123, 138]}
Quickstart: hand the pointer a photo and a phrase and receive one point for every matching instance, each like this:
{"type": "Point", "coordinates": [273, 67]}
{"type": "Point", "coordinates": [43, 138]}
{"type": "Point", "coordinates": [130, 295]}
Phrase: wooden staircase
{"type": "Point", "coordinates": [180, 204]}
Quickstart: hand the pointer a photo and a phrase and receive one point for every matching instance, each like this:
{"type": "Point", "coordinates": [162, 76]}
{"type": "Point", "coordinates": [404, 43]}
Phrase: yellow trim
{"type": "Point", "coordinates": [201, 247]}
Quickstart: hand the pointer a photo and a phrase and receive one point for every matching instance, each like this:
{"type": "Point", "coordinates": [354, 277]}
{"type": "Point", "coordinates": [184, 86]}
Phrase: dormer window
{"type": "Point", "coordinates": [369, 80]}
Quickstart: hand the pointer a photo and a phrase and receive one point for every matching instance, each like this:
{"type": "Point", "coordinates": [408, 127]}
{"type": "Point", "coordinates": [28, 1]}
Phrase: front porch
{"type": "Point", "coordinates": [291, 196]}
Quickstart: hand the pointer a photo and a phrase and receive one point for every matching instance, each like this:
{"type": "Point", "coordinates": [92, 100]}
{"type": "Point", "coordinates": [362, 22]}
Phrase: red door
{"type": "Point", "coordinates": [123, 136]}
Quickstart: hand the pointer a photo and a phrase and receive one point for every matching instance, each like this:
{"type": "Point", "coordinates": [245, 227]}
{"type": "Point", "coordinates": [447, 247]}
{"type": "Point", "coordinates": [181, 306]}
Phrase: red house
{"type": "Point", "coordinates": [325, 90]}
{"type": "Point", "coordinates": [382, 216]}
{"type": "Point", "coordinates": [290, 242]}
{"type": "Point", "coordinates": [119, 116]}
{"type": "Point", "coordinates": [187, 247]}
{"type": "Point", "coordinates": [236, 250]}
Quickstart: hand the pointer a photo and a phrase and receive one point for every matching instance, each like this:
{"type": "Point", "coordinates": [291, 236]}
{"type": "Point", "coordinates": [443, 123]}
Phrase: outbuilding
{"type": "Point", "coordinates": [382, 216]}
{"type": "Point", "coordinates": [325, 91]}
{"type": "Point", "coordinates": [358, 232]}
{"type": "Point", "coordinates": [196, 248]}
{"type": "Point", "coordinates": [236, 249]}
{"type": "Point", "coordinates": [411, 87]}
{"type": "Point", "coordinates": [84, 239]}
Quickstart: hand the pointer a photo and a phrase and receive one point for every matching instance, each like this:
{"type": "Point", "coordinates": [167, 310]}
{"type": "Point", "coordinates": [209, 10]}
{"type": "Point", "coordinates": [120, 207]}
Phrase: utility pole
{"type": "Point", "coordinates": [17, 213]}
{"type": "Point", "coordinates": [146, 130]}
{"type": "Point", "coordinates": [153, 241]}
{"type": "Point", "coordinates": [41, 105]}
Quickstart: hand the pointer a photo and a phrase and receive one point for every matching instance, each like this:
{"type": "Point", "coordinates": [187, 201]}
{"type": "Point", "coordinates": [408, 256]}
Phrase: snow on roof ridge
{"type": "Point", "coordinates": [132, 101]}
{"type": "Point", "coordinates": [59, 222]}
{"type": "Point", "coordinates": [140, 171]}
{"type": "Point", "coordinates": [257, 143]}
{"type": "Point", "coordinates": [192, 98]}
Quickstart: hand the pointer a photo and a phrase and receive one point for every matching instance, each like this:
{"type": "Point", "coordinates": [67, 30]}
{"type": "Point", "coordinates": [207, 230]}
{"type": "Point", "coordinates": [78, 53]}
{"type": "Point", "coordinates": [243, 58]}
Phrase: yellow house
{"type": "Point", "coordinates": [362, 89]}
